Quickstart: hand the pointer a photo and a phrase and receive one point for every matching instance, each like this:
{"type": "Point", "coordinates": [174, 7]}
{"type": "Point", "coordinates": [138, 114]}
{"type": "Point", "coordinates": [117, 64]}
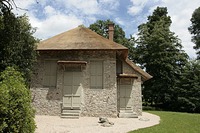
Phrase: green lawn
{"type": "Point", "coordinates": [173, 122]}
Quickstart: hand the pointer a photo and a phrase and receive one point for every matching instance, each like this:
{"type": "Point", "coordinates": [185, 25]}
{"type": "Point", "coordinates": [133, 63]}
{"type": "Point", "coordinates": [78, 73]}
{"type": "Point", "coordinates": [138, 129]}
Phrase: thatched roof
{"type": "Point", "coordinates": [80, 38]}
{"type": "Point", "coordinates": [145, 75]}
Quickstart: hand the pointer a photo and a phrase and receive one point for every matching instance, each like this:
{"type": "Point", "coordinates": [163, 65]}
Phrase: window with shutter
{"type": "Point", "coordinates": [50, 72]}
{"type": "Point", "coordinates": [96, 74]}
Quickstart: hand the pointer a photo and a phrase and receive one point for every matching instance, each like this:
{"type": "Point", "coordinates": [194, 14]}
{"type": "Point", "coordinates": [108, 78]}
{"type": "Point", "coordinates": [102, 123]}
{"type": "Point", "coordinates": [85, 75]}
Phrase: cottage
{"type": "Point", "coordinates": [80, 73]}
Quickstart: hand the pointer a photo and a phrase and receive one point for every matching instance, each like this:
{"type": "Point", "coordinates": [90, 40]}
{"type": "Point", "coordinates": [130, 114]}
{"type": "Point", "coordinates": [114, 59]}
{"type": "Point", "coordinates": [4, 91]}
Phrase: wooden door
{"type": "Point", "coordinates": [72, 90]}
{"type": "Point", "coordinates": [125, 89]}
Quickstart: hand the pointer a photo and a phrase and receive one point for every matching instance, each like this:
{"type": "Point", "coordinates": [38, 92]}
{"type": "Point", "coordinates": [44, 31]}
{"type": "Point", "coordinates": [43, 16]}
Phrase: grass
{"type": "Point", "coordinates": [173, 122]}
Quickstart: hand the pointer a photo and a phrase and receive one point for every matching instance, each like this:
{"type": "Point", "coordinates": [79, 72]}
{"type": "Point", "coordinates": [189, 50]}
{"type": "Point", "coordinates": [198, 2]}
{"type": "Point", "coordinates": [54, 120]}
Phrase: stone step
{"type": "Point", "coordinates": [126, 111]}
{"type": "Point", "coordinates": [71, 108]}
{"type": "Point", "coordinates": [128, 115]}
{"type": "Point", "coordinates": [70, 114]}
{"type": "Point", "coordinates": [71, 111]}
{"type": "Point", "coordinates": [69, 117]}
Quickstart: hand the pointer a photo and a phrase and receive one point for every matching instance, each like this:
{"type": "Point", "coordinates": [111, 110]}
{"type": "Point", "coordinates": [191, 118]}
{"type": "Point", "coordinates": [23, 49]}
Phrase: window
{"type": "Point", "coordinates": [50, 72]}
{"type": "Point", "coordinates": [96, 74]}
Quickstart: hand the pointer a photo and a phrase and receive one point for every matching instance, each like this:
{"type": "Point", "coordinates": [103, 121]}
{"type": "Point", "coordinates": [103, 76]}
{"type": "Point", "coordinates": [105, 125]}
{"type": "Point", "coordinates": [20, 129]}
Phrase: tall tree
{"type": "Point", "coordinates": [159, 52]}
{"type": "Point", "coordinates": [195, 30]}
{"type": "Point", "coordinates": [188, 99]}
{"type": "Point", "coordinates": [101, 28]}
{"type": "Point", "coordinates": [17, 44]}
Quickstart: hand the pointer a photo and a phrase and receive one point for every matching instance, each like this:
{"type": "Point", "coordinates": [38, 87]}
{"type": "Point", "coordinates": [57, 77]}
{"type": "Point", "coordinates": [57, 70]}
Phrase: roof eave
{"type": "Point", "coordinates": [80, 49]}
{"type": "Point", "coordinates": [145, 75]}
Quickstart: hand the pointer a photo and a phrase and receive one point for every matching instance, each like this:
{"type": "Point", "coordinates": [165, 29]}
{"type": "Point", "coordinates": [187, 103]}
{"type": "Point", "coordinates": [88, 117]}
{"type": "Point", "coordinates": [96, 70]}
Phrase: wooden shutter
{"type": "Point", "coordinates": [96, 74]}
{"type": "Point", "coordinates": [50, 73]}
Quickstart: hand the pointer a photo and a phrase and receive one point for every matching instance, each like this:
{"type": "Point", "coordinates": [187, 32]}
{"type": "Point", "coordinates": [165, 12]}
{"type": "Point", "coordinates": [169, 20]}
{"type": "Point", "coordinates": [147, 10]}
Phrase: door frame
{"type": "Point", "coordinates": [71, 107]}
{"type": "Point", "coordinates": [119, 83]}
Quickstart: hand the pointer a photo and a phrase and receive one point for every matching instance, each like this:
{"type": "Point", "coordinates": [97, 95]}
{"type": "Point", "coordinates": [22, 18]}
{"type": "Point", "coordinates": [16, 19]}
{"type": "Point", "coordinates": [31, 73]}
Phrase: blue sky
{"type": "Point", "coordinates": [52, 17]}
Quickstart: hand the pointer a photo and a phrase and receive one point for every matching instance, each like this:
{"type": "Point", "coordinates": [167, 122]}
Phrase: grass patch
{"type": "Point", "coordinates": [174, 122]}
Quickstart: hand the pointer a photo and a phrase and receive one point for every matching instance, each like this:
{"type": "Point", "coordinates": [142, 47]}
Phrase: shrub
{"type": "Point", "coordinates": [16, 112]}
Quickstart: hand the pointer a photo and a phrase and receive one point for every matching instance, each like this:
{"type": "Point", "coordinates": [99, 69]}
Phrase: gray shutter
{"type": "Point", "coordinates": [96, 74]}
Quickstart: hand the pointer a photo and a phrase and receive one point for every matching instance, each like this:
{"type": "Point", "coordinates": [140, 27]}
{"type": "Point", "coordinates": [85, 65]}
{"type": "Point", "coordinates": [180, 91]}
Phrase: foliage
{"type": "Point", "coordinates": [17, 44]}
{"type": "Point", "coordinates": [160, 52]}
{"type": "Point", "coordinates": [188, 99]}
{"type": "Point", "coordinates": [172, 122]}
{"type": "Point", "coordinates": [16, 113]}
{"type": "Point", "coordinates": [101, 28]}
{"type": "Point", "coordinates": [195, 30]}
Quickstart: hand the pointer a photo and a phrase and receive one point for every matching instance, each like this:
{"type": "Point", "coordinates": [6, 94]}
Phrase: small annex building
{"type": "Point", "coordinates": [80, 73]}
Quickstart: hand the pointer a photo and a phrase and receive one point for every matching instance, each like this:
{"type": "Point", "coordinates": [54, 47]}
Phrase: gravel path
{"type": "Point", "coordinates": [55, 124]}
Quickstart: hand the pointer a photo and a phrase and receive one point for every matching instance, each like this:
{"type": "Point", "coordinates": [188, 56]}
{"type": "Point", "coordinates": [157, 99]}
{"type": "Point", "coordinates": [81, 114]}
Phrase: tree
{"type": "Point", "coordinates": [189, 88]}
{"type": "Point", "coordinates": [195, 30]}
{"type": "Point", "coordinates": [17, 44]}
{"type": "Point", "coordinates": [160, 52]}
{"type": "Point", "coordinates": [6, 4]}
{"type": "Point", "coordinates": [16, 112]}
{"type": "Point", "coordinates": [101, 28]}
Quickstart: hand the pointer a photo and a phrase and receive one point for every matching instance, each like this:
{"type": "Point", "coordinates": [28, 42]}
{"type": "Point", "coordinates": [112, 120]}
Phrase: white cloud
{"type": "Point", "coordinates": [181, 13]}
{"type": "Point", "coordinates": [134, 10]}
{"type": "Point", "coordinates": [137, 6]}
{"type": "Point", "coordinates": [54, 20]}
{"type": "Point", "coordinates": [109, 4]}
{"type": "Point", "coordinates": [86, 7]}
{"type": "Point", "coordinates": [90, 7]}
{"type": "Point", "coordinates": [55, 24]}
{"type": "Point", "coordinates": [120, 21]}
{"type": "Point", "coordinates": [49, 10]}
{"type": "Point", "coordinates": [24, 3]}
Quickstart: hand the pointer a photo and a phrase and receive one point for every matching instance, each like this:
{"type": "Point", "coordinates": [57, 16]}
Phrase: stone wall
{"type": "Point", "coordinates": [45, 101]}
{"type": "Point", "coordinates": [101, 102]}
{"type": "Point", "coordinates": [94, 102]}
{"type": "Point", "coordinates": [137, 97]}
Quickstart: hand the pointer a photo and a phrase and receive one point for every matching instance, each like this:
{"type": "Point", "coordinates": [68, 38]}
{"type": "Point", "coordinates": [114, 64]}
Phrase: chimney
{"type": "Point", "coordinates": [111, 31]}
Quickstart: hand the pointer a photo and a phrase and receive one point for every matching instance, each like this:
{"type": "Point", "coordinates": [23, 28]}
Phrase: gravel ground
{"type": "Point", "coordinates": [55, 124]}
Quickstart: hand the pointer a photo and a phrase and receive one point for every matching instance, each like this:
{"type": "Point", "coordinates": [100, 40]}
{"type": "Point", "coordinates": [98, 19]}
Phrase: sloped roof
{"type": "Point", "coordinates": [145, 75]}
{"type": "Point", "coordinates": [79, 38]}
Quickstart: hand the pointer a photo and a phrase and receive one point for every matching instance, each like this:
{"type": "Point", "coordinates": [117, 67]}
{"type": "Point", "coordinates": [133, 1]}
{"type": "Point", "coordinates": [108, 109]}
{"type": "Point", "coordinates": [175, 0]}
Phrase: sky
{"type": "Point", "coordinates": [51, 17]}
